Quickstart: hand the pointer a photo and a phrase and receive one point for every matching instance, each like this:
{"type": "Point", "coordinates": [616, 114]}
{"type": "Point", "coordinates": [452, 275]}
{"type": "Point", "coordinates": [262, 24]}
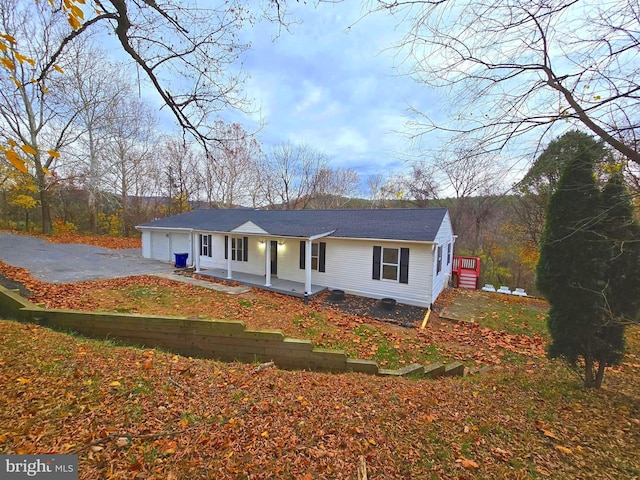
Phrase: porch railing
{"type": "Point", "coordinates": [466, 271]}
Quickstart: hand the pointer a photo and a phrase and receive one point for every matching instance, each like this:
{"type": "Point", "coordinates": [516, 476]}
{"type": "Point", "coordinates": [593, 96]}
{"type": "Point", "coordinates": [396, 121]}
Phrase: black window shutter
{"type": "Point", "coordinates": [302, 253]}
{"type": "Point", "coordinates": [322, 253]}
{"type": "Point", "coordinates": [209, 246]}
{"type": "Point", "coordinates": [233, 248]}
{"type": "Point", "coordinates": [377, 254]}
{"type": "Point", "coordinates": [200, 237]}
{"type": "Point", "coordinates": [245, 249]}
{"type": "Point", "coordinates": [404, 265]}
{"type": "Point", "coordinates": [226, 247]}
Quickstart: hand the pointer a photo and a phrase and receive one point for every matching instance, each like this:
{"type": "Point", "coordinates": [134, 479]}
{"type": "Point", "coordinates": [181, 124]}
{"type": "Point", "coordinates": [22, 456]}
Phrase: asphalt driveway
{"type": "Point", "coordinates": [66, 263]}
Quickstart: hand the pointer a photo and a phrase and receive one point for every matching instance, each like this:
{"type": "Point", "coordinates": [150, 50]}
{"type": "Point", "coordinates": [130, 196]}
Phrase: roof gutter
{"type": "Point", "coordinates": [185, 229]}
{"type": "Point", "coordinates": [320, 235]}
{"type": "Point", "coordinates": [396, 240]}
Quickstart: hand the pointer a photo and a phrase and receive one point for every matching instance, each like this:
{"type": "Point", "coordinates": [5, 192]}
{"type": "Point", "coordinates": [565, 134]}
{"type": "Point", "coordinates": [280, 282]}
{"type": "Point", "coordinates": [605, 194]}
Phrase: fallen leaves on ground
{"type": "Point", "coordinates": [187, 418]}
{"type": "Point", "coordinates": [132, 413]}
{"type": "Point", "coordinates": [321, 321]}
{"type": "Point", "coordinates": [114, 243]}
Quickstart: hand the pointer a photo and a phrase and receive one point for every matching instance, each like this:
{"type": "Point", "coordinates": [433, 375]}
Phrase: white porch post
{"type": "Point", "coordinates": [229, 273]}
{"type": "Point", "coordinates": [307, 267]}
{"type": "Point", "coordinates": [196, 251]}
{"type": "Point", "coordinates": [267, 263]}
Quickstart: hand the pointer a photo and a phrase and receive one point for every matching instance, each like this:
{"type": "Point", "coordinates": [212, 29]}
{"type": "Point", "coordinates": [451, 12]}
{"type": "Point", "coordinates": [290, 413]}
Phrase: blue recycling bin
{"type": "Point", "coordinates": [181, 260]}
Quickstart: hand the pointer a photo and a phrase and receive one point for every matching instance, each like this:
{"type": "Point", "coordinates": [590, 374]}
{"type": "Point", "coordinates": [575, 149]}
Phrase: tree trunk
{"type": "Point", "coordinates": [600, 374]}
{"type": "Point", "coordinates": [93, 210]}
{"type": "Point", "coordinates": [45, 207]}
{"type": "Point", "coordinates": [589, 377]}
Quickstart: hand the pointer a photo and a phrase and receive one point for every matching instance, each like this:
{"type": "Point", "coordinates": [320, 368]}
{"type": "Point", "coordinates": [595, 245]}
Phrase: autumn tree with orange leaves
{"type": "Point", "coordinates": [186, 53]}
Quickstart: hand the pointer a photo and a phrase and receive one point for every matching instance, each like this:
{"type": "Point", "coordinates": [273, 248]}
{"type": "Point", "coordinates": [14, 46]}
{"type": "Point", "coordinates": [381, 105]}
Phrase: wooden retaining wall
{"type": "Point", "coordinates": [224, 340]}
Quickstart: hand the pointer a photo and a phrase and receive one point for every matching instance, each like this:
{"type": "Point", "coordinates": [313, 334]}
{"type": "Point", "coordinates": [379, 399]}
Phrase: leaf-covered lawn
{"type": "Point", "coordinates": [114, 243]}
{"type": "Point", "coordinates": [328, 327]}
{"type": "Point", "coordinates": [132, 413]}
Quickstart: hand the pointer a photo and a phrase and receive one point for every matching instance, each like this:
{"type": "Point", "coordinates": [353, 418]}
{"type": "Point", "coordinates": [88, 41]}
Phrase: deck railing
{"type": "Point", "coordinates": [466, 271]}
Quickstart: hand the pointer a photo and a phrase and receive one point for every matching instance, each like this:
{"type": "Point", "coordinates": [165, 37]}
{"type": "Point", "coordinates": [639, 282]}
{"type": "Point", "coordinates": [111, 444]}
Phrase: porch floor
{"type": "Point", "coordinates": [278, 285]}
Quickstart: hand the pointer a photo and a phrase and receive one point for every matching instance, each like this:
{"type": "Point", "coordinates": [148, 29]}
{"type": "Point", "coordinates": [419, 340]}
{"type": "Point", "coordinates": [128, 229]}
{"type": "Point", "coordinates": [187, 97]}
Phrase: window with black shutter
{"type": "Point", "coordinates": [318, 255]}
{"type": "Point", "coordinates": [205, 245]}
{"type": "Point", "coordinates": [239, 248]}
{"type": "Point", "coordinates": [391, 264]}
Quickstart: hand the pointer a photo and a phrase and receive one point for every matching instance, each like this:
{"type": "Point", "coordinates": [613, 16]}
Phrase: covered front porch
{"type": "Point", "coordinates": [248, 250]}
{"type": "Point", "coordinates": [278, 285]}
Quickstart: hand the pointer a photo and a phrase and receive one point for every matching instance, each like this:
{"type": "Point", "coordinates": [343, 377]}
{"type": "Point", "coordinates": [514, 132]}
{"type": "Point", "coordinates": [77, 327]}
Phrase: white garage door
{"type": "Point", "coordinates": [179, 243]}
{"type": "Point", "coordinates": [160, 246]}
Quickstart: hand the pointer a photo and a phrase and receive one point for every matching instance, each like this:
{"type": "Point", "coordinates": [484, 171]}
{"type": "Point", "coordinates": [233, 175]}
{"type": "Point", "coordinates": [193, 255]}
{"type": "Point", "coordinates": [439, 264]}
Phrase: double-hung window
{"type": "Point", "coordinates": [391, 264]}
{"type": "Point", "coordinates": [318, 255]}
{"type": "Point", "coordinates": [239, 248]}
{"type": "Point", "coordinates": [315, 256]}
{"type": "Point", "coordinates": [205, 245]}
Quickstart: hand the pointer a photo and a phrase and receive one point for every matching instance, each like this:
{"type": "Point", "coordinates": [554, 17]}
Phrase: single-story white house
{"type": "Point", "coordinates": [404, 254]}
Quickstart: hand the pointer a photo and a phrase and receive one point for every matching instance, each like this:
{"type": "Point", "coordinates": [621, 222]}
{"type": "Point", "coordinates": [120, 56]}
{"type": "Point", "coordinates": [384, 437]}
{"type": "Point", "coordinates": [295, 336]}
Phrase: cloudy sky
{"type": "Point", "coordinates": [330, 83]}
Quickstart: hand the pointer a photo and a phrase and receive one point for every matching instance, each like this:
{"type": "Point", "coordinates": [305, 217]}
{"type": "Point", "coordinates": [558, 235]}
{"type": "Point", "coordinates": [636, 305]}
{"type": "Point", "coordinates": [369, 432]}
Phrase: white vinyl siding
{"type": "Point", "coordinates": [180, 243]}
{"type": "Point", "coordinates": [349, 264]}
{"type": "Point", "coordinates": [441, 278]}
{"type": "Point", "coordinates": [255, 258]}
{"type": "Point", "coordinates": [146, 244]}
{"type": "Point", "coordinates": [250, 228]}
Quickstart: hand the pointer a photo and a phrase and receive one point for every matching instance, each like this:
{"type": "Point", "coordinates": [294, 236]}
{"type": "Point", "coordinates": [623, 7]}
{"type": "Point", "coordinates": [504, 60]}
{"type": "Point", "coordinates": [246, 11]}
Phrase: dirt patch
{"type": "Point", "coordinates": [469, 305]}
{"type": "Point", "coordinates": [404, 315]}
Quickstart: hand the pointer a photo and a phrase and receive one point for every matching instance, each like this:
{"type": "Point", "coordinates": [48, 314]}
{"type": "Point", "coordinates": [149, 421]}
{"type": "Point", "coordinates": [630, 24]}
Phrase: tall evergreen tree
{"type": "Point", "coordinates": [622, 231]}
{"type": "Point", "coordinates": [570, 269]}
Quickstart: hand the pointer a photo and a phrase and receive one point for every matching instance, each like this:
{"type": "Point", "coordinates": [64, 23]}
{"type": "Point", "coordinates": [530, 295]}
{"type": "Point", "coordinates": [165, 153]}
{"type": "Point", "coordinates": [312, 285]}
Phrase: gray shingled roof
{"type": "Point", "coordinates": [420, 224]}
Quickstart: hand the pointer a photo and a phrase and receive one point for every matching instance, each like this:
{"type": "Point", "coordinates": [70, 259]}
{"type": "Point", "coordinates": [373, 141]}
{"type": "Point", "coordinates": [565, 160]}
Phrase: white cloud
{"type": "Point", "coordinates": [311, 96]}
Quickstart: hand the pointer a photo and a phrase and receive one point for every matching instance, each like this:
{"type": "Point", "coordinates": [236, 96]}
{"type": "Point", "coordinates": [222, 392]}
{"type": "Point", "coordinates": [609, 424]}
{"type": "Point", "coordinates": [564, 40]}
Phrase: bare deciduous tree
{"type": "Point", "coordinates": [513, 67]}
{"type": "Point", "coordinates": [385, 188]}
{"type": "Point", "coordinates": [185, 50]}
{"type": "Point", "coordinates": [475, 180]}
{"type": "Point", "coordinates": [179, 172]}
{"type": "Point", "coordinates": [231, 167]}
{"type": "Point", "coordinates": [422, 184]}
{"type": "Point", "coordinates": [127, 158]}
{"type": "Point", "coordinates": [334, 186]}
{"type": "Point", "coordinates": [95, 90]}
{"type": "Point", "coordinates": [291, 171]}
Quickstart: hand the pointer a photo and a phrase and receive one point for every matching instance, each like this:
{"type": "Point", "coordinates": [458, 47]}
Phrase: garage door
{"type": "Point", "coordinates": [179, 243]}
{"type": "Point", "coordinates": [165, 244]}
{"type": "Point", "coordinates": [160, 246]}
